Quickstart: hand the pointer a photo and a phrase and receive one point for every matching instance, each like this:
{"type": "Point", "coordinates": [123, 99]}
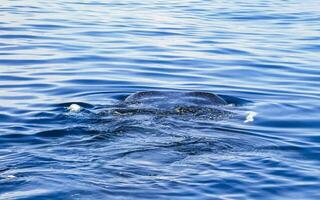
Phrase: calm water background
{"type": "Point", "coordinates": [263, 56]}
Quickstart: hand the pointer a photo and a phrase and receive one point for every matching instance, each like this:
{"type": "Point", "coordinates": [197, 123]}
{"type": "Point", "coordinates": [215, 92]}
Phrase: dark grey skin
{"type": "Point", "coordinates": [159, 103]}
{"type": "Point", "coordinates": [174, 98]}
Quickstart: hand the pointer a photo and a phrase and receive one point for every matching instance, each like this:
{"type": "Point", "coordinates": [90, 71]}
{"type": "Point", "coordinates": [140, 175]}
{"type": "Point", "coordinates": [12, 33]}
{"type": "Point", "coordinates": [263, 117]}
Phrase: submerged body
{"type": "Point", "coordinates": [158, 103]}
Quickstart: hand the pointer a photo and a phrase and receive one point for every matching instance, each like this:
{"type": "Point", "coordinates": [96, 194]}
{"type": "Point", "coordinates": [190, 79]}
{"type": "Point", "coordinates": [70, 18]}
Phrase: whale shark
{"type": "Point", "coordinates": [195, 105]}
{"type": "Point", "coordinates": [179, 104]}
{"type": "Point", "coordinates": [183, 122]}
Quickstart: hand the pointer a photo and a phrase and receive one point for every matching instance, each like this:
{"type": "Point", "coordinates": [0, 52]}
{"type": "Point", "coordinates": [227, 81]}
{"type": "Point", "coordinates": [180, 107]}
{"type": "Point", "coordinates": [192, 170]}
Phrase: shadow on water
{"type": "Point", "coordinates": [176, 127]}
{"type": "Point", "coordinates": [156, 146]}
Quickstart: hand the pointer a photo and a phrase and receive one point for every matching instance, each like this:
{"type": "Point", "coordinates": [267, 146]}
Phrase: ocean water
{"type": "Point", "coordinates": [262, 57]}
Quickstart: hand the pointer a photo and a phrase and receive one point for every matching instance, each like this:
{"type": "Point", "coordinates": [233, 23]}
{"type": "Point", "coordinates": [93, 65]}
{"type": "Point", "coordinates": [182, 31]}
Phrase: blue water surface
{"type": "Point", "coordinates": [260, 56]}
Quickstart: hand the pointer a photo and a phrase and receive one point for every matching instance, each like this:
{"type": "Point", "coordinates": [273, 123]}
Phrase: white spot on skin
{"type": "Point", "coordinates": [250, 116]}
{"type": "Point", "coordinates": [74, 108]}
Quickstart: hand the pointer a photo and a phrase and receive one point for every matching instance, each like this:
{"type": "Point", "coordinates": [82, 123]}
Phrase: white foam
{"type": "Point", "coordinates": [74, 108]}
{"type": "Point", "coordinates": [10, 176]}
{"type": "Point", "coordinates": [250, 116]}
